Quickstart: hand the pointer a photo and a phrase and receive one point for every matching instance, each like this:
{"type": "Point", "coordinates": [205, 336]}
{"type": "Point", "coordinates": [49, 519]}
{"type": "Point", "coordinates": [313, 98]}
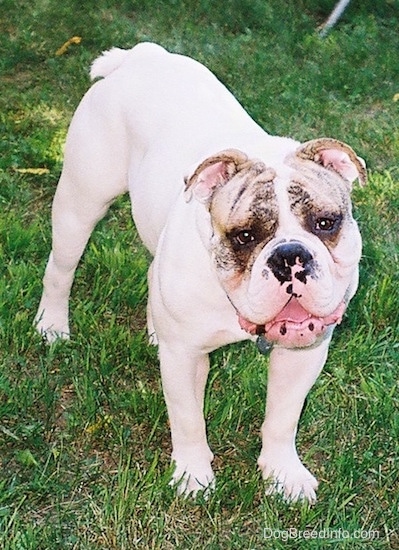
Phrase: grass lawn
{"type": "Point", "coordinates": [84, 439]}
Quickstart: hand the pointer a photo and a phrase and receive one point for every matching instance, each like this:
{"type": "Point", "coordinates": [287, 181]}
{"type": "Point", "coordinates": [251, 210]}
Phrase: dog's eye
{"type": "Point", "coordinates": [326, 224]}
{"type": "Point", "coordinates": [244, 237]}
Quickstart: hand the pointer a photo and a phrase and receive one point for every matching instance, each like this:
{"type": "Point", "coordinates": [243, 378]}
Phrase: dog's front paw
{"type": "Point", "coordinates": [192, 476]}
{"type": "Point", "coordinates": [290, 478]}
{"type": "Point", "coordinates": [51, 328]}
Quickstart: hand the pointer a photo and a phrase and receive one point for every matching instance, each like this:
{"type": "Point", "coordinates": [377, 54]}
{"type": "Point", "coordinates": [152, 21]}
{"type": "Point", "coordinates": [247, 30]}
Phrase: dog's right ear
{"type": "Point", "coordinates": [214, 172]}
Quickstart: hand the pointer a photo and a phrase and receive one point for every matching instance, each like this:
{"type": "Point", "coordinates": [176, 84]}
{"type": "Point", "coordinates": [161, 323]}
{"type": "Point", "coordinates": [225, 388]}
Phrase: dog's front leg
{"type": "Point", "coordinates": [184, 374]}
{"type": "Point", "coordinates": [291, 375]}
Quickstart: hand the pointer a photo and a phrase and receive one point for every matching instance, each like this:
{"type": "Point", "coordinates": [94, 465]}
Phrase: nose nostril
{"type": "Point", "coordinates": [285, 256]}
{"type": "Point", "coordinates": [301, 276]}
{"type": "Point", "coordinates": [294, 253]}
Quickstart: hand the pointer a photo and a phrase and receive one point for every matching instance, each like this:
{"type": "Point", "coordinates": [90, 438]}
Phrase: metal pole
{"type": "Point", "coordinates": [333, 18]}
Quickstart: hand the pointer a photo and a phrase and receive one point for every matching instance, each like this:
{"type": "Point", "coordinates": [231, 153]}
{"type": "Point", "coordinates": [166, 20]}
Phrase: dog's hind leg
{"type": "Point", "coordinates": [73, 220]}
{"type": "Point", "coordinates": [90, 181]}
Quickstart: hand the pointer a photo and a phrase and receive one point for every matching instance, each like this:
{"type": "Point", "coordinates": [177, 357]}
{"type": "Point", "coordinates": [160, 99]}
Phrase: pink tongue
{"type": "Point", "coordinates": [293, 312]}
{"type": "Point", "coordinates": [294, 326]}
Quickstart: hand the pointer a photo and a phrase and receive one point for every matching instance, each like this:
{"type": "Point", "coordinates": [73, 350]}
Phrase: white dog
{"type": "Point", "coordinates": [252, 237]}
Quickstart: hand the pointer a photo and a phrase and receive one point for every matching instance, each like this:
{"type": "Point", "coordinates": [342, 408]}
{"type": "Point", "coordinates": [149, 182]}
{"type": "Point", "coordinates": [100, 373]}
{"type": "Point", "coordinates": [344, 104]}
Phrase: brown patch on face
{"type": "Point", "coordinates": [319, 199]}
{"type": "Point", "coordinates": [244, 217]}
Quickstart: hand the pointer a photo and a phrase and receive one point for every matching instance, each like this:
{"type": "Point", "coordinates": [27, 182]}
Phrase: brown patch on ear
{"type": "Point", "coordinates": [214, 172]}
{"type": "Point", "coordinates": [326, 151]}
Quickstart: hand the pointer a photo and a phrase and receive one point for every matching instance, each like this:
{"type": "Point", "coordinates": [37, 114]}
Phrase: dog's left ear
{"type": "Point", "coordinates": [214, 172]}
{"type": "Point", "coordinates": [335, 155]}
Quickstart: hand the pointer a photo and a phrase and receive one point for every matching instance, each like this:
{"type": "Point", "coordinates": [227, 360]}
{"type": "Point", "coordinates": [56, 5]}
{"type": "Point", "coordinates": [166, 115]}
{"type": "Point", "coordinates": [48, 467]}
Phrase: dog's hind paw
{"type": "Point", "coordinates": [152, 338]}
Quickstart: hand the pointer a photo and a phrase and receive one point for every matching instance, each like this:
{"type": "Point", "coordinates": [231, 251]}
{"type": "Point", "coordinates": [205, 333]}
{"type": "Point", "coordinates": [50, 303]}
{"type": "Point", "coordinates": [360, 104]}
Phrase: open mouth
{"type": "Point", "coordinates": [294, 326]}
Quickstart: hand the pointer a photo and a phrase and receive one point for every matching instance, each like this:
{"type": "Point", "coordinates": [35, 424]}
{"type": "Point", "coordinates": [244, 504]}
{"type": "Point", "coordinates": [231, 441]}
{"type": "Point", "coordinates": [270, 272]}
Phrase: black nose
{"type": "Point", "coordinates": [285, 256]}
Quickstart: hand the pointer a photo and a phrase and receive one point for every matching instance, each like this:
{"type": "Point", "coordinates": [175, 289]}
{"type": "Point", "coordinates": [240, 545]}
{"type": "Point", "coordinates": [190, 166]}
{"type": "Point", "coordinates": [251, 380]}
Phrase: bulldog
{"type": "Point", "coordinates": [252, 237]}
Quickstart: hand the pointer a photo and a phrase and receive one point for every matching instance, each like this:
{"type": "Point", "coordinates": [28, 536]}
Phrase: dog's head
{"type": "Point", "coordinates": [283, 240]}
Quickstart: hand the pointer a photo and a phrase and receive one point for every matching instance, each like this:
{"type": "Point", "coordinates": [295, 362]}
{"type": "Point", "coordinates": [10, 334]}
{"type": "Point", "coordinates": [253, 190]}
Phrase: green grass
{"type": "Point", "coordinates": [84, 441]}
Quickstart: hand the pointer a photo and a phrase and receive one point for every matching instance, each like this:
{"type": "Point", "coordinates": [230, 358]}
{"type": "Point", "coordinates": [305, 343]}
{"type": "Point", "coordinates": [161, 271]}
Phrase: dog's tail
{"type": "Point", "coordinates": [108, 62]}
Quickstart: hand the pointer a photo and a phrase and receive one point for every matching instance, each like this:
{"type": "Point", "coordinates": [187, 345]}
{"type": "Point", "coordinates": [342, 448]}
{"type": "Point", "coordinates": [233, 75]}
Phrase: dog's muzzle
{"type": "Point", "coordinates": [292, 264]}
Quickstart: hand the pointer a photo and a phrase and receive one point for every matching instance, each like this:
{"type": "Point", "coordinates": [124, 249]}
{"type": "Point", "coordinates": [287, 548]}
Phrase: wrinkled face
{"type": "Point", "coordinates": [286, 250]}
